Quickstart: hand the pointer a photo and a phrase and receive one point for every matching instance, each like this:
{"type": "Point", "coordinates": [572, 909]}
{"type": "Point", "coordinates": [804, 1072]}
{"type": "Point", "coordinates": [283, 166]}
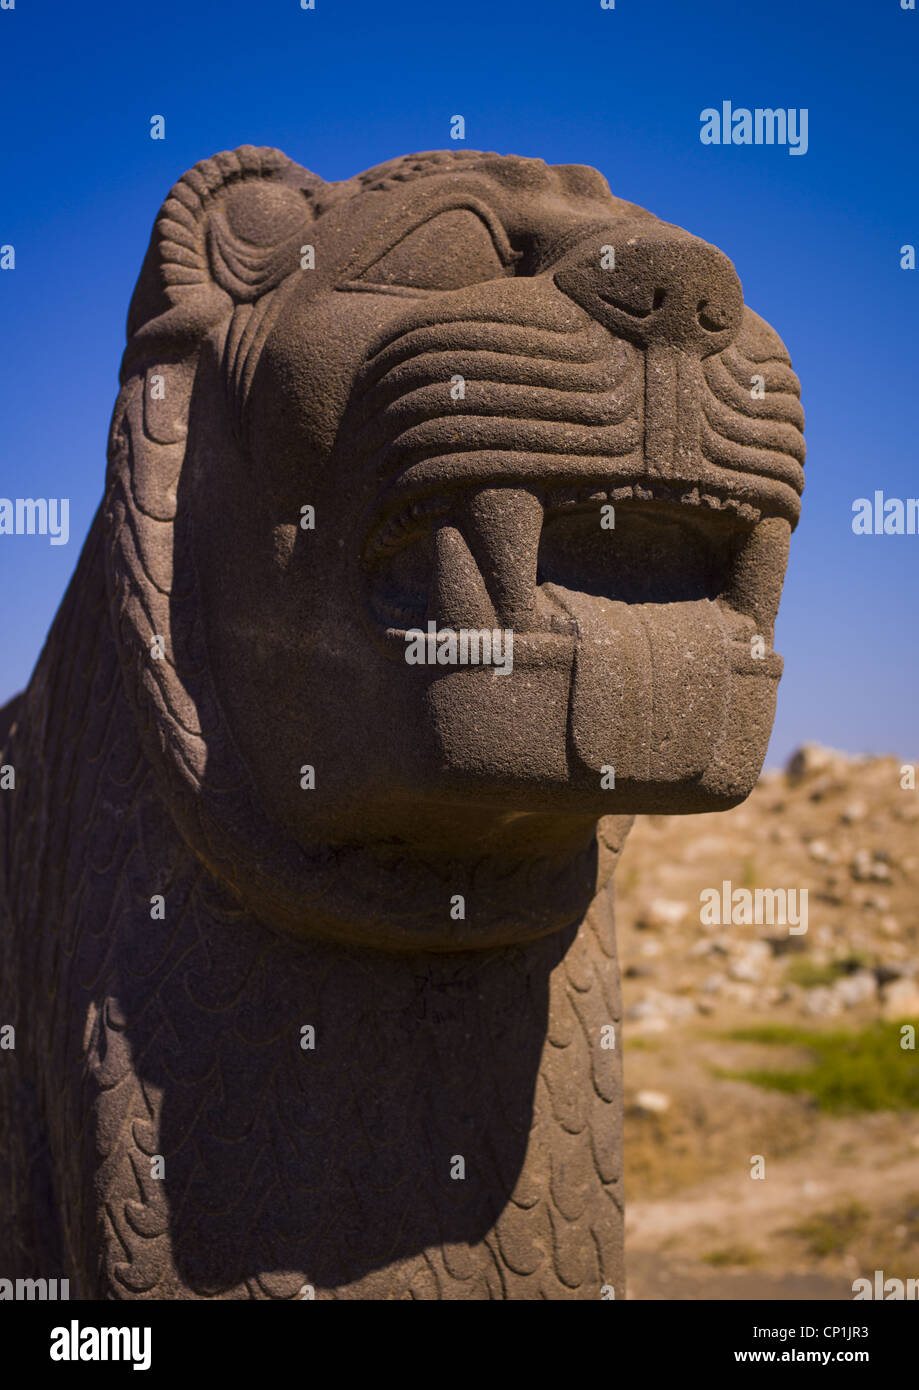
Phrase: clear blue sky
{"type": "Point", "coordinates": [815, 238]}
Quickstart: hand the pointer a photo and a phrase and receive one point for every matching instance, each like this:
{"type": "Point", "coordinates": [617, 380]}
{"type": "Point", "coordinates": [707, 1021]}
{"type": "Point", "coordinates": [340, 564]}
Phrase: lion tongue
{"type": "Point", "coordinates": [649, 686]}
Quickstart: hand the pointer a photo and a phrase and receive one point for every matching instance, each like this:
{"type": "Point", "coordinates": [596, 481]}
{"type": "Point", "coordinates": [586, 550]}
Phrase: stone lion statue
{"type": "Point", "coordinates": [307, 964]}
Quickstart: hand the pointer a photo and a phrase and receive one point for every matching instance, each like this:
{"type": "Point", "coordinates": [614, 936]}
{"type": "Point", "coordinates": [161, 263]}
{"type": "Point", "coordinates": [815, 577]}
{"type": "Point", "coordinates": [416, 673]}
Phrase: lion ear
{"type": "Point", "coordinates": [227, 234]}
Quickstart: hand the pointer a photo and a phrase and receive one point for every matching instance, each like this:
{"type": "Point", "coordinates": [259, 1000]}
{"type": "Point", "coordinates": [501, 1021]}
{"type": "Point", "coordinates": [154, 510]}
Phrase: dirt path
{"type": "Point", "coordinates": [840, 1196]}
{"type": "Point", "coordinates": [773, 1224]}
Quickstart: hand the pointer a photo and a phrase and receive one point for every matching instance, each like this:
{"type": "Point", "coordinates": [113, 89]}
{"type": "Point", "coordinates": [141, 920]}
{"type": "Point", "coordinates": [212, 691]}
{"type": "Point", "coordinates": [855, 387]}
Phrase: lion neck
{"type": "Point", "coordinates": [242, 1115]}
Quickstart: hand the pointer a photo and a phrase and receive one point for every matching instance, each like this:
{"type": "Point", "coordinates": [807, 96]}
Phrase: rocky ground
{"type": "Point", "coordinates": [837, 1136]}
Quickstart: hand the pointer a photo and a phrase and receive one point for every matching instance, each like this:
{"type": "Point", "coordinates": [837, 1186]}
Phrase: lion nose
{"type": "Point", "coordinates": [656, 288]}
{"type": "Point", "coordinates": [678, 300]}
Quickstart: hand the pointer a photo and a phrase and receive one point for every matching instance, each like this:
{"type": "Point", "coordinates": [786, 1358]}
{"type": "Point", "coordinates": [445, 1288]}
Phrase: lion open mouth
{"type": "Point", "coordinates": [613, 542]}
{"type": "Point", "coordinates": [639, 583]}
{"type": "Point", "coordinates": [491, 513]}
{"type": "Point", "coordinates": [652, 544]}
{"type": "Point", "coordinates": [650, 615]}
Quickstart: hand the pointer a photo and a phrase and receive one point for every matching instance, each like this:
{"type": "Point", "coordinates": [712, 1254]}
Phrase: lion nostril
{"type": "Point", "coordinates": [655, 287]}
{"type": "Point", "coordinates": [711, 322]}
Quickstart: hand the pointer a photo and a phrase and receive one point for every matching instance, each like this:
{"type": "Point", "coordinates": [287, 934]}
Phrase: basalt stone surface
{"type": "Point", "coordinates": [309, 949]}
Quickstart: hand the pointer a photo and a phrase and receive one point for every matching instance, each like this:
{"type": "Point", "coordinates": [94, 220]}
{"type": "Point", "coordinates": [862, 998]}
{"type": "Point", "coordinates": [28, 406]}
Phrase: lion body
{"type": "Point", "coordinates": [284, 1168]}
{"type": "Point", "coordinates": [259, 1050]}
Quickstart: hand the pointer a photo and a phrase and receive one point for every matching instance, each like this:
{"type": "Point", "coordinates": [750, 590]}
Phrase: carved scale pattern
{"type": "Point", "coordinates": [283, 1167]}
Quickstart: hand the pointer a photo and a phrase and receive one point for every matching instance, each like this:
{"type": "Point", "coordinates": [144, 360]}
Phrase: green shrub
{"type": "Point", "coordinates": [850, 1072]}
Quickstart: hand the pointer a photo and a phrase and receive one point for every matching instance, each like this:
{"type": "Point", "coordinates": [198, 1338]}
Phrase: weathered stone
{"type": "Point", "coordinates": [661, 914]}
{"type": "Point", "coordinates": [811, 759]}
{"type": "Point", "coordinates": [652, 1102]}
{"type": "Point", "coordinates": [751, 962]}
{"type": "Point", "coordinates": [858, 988]}
{"type": "Point", "coordinates": [310, 949]}
{"type": "Point", "coordinates": [900, 999]}
{"type": "Point", "coordinates": [869, 866]}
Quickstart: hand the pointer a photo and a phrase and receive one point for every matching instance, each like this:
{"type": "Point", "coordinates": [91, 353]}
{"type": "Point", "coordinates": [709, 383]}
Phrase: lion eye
{"type": "Point", "coordinates": [452, 250]}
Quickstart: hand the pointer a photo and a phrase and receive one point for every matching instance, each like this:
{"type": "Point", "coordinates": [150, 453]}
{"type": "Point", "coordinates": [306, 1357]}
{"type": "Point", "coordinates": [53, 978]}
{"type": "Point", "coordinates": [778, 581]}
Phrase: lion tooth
{"type": "Point", "coordinates": [458, 597]}
{"type": "Point", "coordinates": [503, 527]}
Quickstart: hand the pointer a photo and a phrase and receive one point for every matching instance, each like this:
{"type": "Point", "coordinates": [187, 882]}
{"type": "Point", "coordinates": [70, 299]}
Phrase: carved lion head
{"type": "Point", "coordinates": [463, 390]}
